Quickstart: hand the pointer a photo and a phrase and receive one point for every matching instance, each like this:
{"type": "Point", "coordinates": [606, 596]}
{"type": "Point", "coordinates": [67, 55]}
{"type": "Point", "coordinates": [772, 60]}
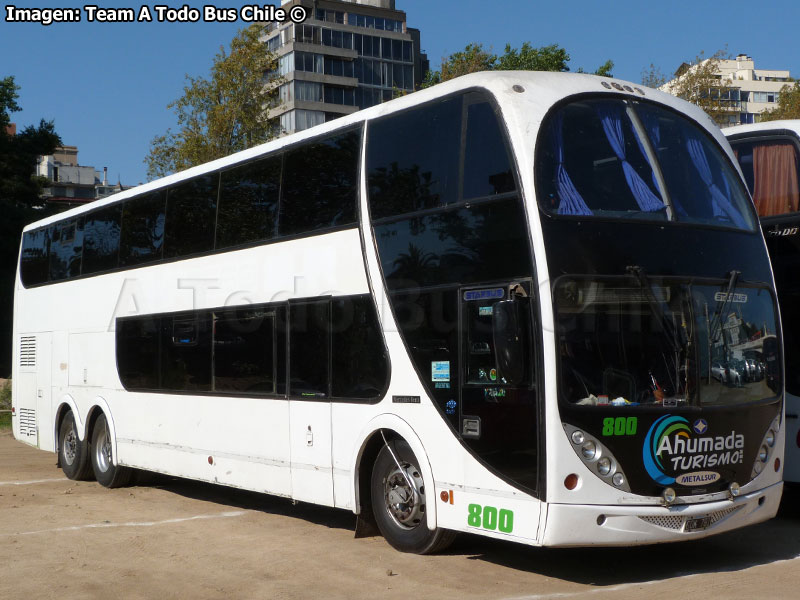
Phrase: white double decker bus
{"type": "Point", "coordinates": [532, 306]}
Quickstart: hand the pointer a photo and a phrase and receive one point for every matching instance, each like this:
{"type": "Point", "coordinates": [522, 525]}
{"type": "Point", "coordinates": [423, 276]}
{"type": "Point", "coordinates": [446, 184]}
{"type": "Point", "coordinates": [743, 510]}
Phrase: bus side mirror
{"type": "Point", "coordinates": [508, 332]}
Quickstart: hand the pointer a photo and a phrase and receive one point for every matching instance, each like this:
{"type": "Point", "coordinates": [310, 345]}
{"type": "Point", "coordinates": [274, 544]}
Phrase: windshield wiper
{"type": "Point", "coordinates": [656, 308]}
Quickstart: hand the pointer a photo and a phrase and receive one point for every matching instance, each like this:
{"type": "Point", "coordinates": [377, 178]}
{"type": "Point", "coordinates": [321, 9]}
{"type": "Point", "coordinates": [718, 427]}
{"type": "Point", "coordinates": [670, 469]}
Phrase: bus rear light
{"type": "Point", "coordinates": [571, 481]}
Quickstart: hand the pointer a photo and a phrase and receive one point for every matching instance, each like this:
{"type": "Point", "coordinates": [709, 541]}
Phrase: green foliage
{"type": "Point", "coordinates": [476, 58]}
{"type": "Point", "coordinates": [19, 153]}
{"type": "Point", "coordinates": [223, 114]}
{"type": "Point", "coordinates": [788, 105]}
{"type": "Point", "coordinates": [5, 404]}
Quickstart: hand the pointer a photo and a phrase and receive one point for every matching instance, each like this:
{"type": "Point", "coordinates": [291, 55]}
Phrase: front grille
{"type": "Point", "coordinates": [677, 522]}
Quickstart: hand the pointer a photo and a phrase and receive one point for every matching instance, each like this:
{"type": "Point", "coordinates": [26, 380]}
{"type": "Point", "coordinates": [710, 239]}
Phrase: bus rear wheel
{"type": "Point", "coordinates": [105, 471]}
{"type": "Point", "coordinates": [399, 502]}
{"type": "Point", "coordinates": [72, 451]}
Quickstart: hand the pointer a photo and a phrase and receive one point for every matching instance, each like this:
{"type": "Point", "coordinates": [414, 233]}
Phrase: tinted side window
{"type": "Point", "coordinates": [248, 203]}
{"type": "Point", "coordinates": [320, 183]}
{"type": "Point", "coordinates": [309, 349]}
{"type": "Point", "coordinates": [138, 353]}
{"type": "Point", "coordinates": [191, 214]}
{"type": "Point", "coordinates": [358, 355]}
{"type": "Point", "coordinates": [483, 242]}
{"type": "Point", "coordinates": [34, 262]}
{"type": "Point", "coordinates": [487, 165]}
{"type": "Point", "coordinates": [101, 235]}
{"type": "Point", "coordinates": [142, 230]}
{"type": "Point", "coordinates": [186, 352]}
{"type": "Point", "coordinates": [412, 159]}
{"type": "Point", "coordinates": [245, 348]}
{"type": "Point", "coordinates": [66, 248]}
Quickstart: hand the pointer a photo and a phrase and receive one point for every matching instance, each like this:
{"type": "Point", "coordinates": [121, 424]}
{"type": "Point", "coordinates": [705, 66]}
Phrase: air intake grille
{"type": "Point", "coordinates": [27, 422]}
{"type": "Point", "coordinates": [676, 522]}
{"type": "Point", "coordinates": [27, 351]}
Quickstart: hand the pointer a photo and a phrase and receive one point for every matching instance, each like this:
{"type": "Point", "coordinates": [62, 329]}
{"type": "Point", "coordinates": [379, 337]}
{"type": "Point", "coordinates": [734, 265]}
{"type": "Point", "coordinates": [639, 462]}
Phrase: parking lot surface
{"type": "Point", "coordinates": [170, 538]}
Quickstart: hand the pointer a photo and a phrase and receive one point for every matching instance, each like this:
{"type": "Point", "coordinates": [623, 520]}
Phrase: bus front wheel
{"type": "Point", "coordinates": [399, 502]}
{"type": "Point", "coordinates": [105, 471]}
{"type": "Point", "coordinates": [72, 450]}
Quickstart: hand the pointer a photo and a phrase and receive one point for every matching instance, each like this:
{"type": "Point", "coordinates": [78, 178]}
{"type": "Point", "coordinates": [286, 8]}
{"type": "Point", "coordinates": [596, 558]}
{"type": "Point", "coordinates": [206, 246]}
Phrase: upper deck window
{"type": "Point", "coordinates": [618, 158]}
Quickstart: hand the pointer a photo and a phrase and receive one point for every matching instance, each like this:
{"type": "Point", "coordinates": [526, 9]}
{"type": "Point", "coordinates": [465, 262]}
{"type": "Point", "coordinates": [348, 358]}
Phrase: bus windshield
{"type": "Point", "coordinates": [628, 341]}
{"type": "Point", "coordinates": [618, 158]}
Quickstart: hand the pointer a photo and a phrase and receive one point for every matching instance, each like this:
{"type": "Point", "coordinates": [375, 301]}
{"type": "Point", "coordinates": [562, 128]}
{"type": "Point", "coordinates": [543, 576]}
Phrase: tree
{"type": "Point", "coordinates": [652, 77]}
{"type": "Point", "coordinates": [19, 153]}
{"type": "Point", "coordinates": [475, 58]}
{"type": "Point", "coordinates": [225, 113]}
{"type": "Point", "coordinates": [700, 83]}
{"type": "Point", "coordinates": [20, 201]}
{"type": "Point", "coordinates": [788, 105]}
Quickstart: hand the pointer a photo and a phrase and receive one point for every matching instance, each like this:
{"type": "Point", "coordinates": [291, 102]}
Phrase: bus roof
{"type": "Point", "coordinates": [540, 90]}
{"type": "Point", "coordinates": [766, 127]}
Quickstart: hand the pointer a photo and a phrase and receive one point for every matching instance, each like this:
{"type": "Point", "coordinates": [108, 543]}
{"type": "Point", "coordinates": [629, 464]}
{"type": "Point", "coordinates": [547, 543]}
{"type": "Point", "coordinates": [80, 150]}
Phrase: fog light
{"type": "Point", "coordinates": [668, 495]}
{"type": "Point", "coordinates": [604, 466]}
{"type": "Point", "coordinates": [734, 489]}
{"type": "Point", "coordinates": [571, 481]}
{"type": "Point", "coordinates": [589, 450]}
{"type": "Point", "coordinates": [763, 454]}
{"type": "Point", "coordinates": [618, 479]}
{"type": "Point", "coordinates": [577, 437]}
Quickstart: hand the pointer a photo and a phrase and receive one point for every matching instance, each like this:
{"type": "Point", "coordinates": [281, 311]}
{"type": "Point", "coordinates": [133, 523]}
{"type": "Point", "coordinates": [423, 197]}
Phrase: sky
{"type": "Point", "coordinates": [107, 85]}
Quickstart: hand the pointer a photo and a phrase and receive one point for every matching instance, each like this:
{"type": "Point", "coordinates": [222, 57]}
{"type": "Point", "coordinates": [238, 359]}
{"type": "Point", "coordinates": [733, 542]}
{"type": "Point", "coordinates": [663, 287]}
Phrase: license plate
{"type": "Point", "coordinates": [698, 524]}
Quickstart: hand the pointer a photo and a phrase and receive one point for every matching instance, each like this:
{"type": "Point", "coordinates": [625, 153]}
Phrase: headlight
{"type": "Point", "coordinates": [578, 437]}
{"type": "Point", "coordinates": [604, 466]}
{"type": "Point", "coordinates": [589, 450]}
{"type": "Point", "coordinates": [770, 439]}
{"type": "Point", "coordinates": [763, 453]}
{"type": "Point", "coordinates": [618, 479]}
{"type": "Point", "coordinates": [767, 445]}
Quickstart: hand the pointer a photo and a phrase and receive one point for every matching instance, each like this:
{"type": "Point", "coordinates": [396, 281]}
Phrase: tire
{"type": "Point", "coordinates": [101, 450]}
{"type": "Point", "coordinates": [399, 509]}
{"type": "Point", "coordinates": [72, 452]}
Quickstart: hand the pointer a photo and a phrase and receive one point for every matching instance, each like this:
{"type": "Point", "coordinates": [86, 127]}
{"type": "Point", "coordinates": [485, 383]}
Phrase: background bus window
{"type": "Point", "coordinates": [245, 348]}
{"type": "Point", "coordinates": [248, 203]}
{"type": "Point", "coordinates": [142, 230]}
{"type": "Point", "coordinates": [101, 235]}
{"type": "Point", "coordinates": [34, 267]}
{"type": "Point", "coordinates": [770, 169]}
{"type": "Point", "coordinates": [320, 183]}
{"type": "Point", "coordinates": [66, 249]}
{"type": "Point", "coordinates": [191, 214]}
{"type": "Point", "coordinates": [309, 349]}
{"type": "Point", "coordinates": [186, 352]}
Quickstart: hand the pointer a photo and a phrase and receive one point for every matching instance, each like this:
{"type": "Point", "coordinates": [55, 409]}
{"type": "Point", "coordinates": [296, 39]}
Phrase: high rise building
{"type": "Point", "coordinates": [348, 55]}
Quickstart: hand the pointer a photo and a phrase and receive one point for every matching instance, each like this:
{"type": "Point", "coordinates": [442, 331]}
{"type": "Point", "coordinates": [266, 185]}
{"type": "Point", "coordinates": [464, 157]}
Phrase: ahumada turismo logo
{"type": "Point", "coordinates": [670, 447]}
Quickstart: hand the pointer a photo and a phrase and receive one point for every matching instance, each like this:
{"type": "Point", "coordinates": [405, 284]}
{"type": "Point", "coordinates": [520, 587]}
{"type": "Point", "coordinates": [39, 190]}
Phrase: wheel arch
{"type": "Point", "coordinates": [100, 407]}
{"type": "Point", "coordinates": [367, 451]}
{"type": "Point", "coordinates": [67, 404]}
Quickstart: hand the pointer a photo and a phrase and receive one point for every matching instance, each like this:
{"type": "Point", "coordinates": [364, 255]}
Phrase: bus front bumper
{"type": "Point", "coordinates": [625, 525]}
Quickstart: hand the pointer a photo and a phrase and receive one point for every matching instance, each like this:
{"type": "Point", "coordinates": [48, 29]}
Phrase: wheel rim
{"type": "Point", "coordinates": [70, 446]}
{"type": "Point", "coordinates": [404, 504]}
{"type": "Point", "coordinates": [103, 451]}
